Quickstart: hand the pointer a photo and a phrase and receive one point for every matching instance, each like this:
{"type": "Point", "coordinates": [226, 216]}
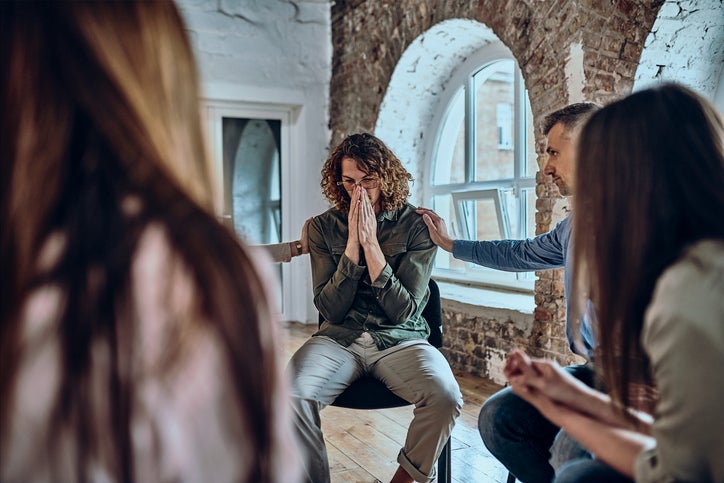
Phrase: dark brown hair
{"type": "Point", "coordinates": [571, 116]}
{"type": "Point", "coordinates": [100, 102]}
{"type": "Point", "coordinates": [649, 183]}
{"type": "Point", "coordinates": [372, 157]}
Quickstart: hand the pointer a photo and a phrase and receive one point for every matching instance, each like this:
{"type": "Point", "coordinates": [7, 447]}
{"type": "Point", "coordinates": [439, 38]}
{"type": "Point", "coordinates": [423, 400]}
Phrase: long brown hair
{"type": "Point", "coordinates": [100, 102]}
{"type": "Point", "coordinates": [649, 183]}
{"type": "Point", "coordinates": [372, 157]}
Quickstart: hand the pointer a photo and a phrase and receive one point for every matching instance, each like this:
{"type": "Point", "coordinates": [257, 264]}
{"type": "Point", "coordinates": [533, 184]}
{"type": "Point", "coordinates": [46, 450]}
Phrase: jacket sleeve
{"type": "Point", "coordinates": [401, 292]}
{"type": "Point", "coordinates": [279, 252]}
{"type": "Point", "coordinates": [334, 284]}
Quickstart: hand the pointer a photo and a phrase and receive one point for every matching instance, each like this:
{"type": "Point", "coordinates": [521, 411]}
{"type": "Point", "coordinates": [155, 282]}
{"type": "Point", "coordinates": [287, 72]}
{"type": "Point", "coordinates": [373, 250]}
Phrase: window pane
{"type": "Point", "coordinates": [494, 121]}
{"type": "Point", "coordinates": [531, 156]}
{"type": "Point", "coordinates": [252, 177]}
{"type": "Point", "coordinates": [504, 118]}
{"type": "Point", "coordinates": [450, 155]}
{"type": "Point", "coordinates": [252, 182]}
{"type": "Point", "coordinates": [477, 192]}
{"type": "Point", "coordinates": [442, 205]}
{"type": "Point", "coordinates": [481, 217]}
{"type": "Point", "coordinates": [512, 207]}
{"type": "Point", "coordinates": [530, 198]}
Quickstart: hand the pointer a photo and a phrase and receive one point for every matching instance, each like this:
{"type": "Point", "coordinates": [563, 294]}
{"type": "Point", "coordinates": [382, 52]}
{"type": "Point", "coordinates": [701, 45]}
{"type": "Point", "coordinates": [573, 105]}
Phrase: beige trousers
{"type": "Point", "coordinates": [414, 370]}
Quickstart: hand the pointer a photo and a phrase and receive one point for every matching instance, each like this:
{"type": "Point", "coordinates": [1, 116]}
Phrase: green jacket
{"type": "Point", "coordinates": [390, 307]}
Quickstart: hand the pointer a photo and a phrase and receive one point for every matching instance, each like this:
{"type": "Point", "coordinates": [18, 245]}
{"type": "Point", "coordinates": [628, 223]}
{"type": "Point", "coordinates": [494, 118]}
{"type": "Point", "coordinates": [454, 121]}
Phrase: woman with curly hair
{"type": "Point", "coordinates": [371, 260]}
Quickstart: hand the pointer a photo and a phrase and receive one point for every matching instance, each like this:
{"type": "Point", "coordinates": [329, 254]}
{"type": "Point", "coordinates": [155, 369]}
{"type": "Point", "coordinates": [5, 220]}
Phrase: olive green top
{"type": "Point", "coordinates": [389, 307]}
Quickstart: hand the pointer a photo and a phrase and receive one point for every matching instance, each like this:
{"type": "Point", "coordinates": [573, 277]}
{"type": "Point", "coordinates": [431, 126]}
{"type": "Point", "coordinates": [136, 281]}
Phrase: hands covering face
{"type": "Point", "coordinates": [362, 222]}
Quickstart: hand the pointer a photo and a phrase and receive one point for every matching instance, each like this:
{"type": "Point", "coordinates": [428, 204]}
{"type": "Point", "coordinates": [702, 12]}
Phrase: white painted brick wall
{"type": "Point", "coordinates": [263, 43]}
{"type": "Point", "coordinates": [686, 45]}
{"type": "Point", "coordinates": [273, 52]}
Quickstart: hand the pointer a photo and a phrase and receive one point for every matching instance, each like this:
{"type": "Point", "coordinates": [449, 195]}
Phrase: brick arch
{"type": "Point", "coordinates": [369, 38]}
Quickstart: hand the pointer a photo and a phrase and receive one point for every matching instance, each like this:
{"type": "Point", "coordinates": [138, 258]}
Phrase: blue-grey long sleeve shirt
{"type": "Point", "coordinates": [544, 252]}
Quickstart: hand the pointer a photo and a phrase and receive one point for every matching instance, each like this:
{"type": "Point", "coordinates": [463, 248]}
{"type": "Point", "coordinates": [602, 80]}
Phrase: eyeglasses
{"type": "Point", "coordinates": [366, 183]}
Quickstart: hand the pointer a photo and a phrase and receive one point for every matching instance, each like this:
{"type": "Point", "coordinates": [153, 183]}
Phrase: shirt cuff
{"type": "Point", "coordinates": [383, 277]}
{"type": "Point", "coordinates": [350, 269]}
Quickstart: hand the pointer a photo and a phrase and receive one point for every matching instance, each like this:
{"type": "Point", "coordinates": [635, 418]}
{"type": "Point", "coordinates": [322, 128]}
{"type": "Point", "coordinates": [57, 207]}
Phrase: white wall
{"type": "Point", "coordinates": [686, 45]}
{"type": "Point", "coordinates": [278, 53]}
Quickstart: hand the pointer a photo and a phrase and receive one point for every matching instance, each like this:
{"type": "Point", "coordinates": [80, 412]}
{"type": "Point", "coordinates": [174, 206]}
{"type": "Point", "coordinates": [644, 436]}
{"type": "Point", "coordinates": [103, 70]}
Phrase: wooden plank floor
{"type": "Point", "coordinates": [363, 445]}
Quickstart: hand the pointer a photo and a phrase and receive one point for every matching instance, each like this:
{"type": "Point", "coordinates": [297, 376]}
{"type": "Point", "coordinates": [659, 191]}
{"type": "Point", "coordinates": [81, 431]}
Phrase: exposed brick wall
{"type": "Point", "coordinates": [368, 39]}
{"type": "Point", "coordinates": [478, 344]}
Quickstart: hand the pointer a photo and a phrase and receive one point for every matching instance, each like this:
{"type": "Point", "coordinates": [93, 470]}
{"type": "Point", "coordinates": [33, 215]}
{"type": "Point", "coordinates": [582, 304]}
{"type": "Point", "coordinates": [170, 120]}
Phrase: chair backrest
{"type": "Point", "coordinates": [432, 313]}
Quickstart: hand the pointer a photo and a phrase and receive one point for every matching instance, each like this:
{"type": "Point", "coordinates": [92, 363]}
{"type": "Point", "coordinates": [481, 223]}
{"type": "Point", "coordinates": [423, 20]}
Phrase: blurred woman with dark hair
{"type": "Point", "coordinates": [649, 247]}
{"type": "Point", "coordinates": [137, 340]}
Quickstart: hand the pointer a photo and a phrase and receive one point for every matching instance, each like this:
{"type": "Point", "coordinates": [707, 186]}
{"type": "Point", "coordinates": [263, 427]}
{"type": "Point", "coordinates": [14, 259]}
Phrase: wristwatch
{"type": "Point", "coordinates": [298, 244]}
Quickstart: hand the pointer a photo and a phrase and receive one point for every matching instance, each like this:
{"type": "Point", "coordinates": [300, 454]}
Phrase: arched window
{"type": "Point", "coordinates": [483, 161]}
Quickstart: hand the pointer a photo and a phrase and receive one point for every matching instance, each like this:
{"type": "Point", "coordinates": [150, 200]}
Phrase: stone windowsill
{"type": "Point", "coordinates": [485, 301]}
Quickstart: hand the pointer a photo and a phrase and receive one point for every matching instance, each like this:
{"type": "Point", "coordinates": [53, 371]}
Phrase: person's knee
{"type": "Point", "coordinates": [292, 374]}
{"type": "Point", "coordinates": [588, 471]}
{"type": "Point", "coordinates": [500, 417]}
{"type": "Point", "coordinates": [565, 448]}
{"type": "Point", "coordinates": [317, 365]}
{"type": "Point", "coordinates": [299, 391]}
{"type": "Point", "coordinates": [491, 410]}
{"type": "Point", "coordinates": [300, 406]}
{"type": "Point", "coordinates": [446, 398]}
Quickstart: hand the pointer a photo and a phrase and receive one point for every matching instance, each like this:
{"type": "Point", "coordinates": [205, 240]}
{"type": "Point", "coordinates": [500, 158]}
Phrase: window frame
{"type": "Point", "coordinates": [464, 79]}
{"type": "Point", "coordinates": [460, 197]}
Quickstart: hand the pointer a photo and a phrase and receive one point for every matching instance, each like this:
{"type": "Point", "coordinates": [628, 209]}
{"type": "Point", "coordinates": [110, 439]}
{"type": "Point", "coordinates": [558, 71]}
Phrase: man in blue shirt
{"type": "Point", "coordinates": [513, 430]}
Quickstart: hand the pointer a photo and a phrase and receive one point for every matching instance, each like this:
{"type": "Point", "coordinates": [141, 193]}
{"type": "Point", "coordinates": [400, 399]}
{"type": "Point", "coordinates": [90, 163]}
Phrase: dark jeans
{"type": "Point", "coordinates": [589, 471]}
{"type": "Point", "coordinates": [520, 437]}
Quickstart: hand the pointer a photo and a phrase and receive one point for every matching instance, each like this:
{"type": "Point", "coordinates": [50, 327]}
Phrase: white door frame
{"type": "Point", "coordinates": [294, 274]}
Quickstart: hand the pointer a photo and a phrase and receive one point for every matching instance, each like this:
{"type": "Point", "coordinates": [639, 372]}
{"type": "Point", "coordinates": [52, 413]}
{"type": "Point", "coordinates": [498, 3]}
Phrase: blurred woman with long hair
{"type": "Point", "coordinates": [649, 247]}
{"type": "Point", "coordinates": [137, 339]}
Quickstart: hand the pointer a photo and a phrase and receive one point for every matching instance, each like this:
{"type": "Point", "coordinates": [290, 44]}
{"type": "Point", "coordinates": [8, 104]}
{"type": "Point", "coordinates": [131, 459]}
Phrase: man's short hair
{"type": "Point", "coordinates": [571, 116]}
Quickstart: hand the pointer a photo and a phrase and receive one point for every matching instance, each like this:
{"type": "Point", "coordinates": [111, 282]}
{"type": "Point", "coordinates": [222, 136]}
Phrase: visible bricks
{"type": "Point", "coordinates": [369, 38]}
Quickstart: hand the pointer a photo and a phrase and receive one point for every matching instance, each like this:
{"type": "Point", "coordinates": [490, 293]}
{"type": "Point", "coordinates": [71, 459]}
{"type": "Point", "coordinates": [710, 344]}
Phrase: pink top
{"type": "Point", "coordinates": [180, 417]}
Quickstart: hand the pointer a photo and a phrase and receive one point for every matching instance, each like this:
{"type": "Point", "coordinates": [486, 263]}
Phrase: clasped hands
{"type": "Point", "coordinates": [548, 387]}
{"type": "Point", "coordinates": [361, 220]}
{"type": "Point", "coordinates": [362, 227]}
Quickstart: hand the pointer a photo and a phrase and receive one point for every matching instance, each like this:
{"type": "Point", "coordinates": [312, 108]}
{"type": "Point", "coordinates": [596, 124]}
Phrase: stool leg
{"type": "Point", "coordinates": [443, 464]}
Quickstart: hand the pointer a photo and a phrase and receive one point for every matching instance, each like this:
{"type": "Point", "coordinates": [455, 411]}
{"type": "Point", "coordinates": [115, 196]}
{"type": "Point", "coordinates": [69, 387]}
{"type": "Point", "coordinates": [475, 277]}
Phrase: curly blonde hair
{"type": "Point", "coordinates": [372, 157]}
